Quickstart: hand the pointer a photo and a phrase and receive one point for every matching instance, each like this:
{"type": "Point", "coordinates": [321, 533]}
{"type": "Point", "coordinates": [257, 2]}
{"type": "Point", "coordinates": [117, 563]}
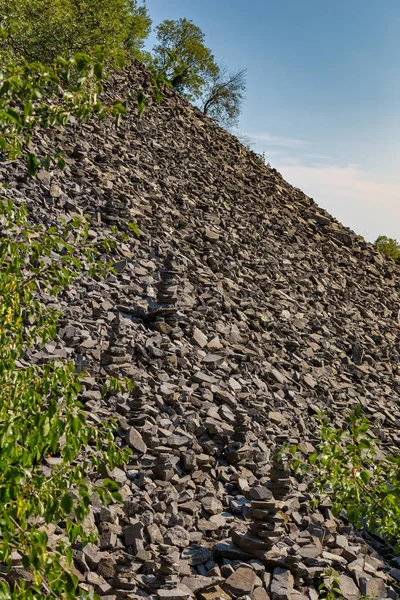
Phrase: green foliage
{"type": "Point", "coordinates": [223, 95]}
{"type": "Point", "coordinates": [388, 247]}
{"type": "Point", "coordinates": [329, 589]}
{"type": "Point", "coordinates": [346, 472]}
{"type": "Point", "coordinates": [49, 454]}
{"type": "Point", "coordinates": [261, 157]}
{"type": "Point", "coordinates": [42, 30]}
{"type": "Point", "coordinates": [182, 55]}
{"type": "Point", "coordinates": [34, 96]}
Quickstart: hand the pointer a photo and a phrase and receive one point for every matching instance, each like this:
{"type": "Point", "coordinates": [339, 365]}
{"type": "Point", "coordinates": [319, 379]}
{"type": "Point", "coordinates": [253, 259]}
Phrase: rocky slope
{"type": "Point", "coordinates": [242, 310]}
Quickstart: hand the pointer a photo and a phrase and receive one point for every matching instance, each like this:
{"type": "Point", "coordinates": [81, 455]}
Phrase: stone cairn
{"type": "Point", "coordinates": [238, 449]}
{"type": "Point", "coordinates": [241, 426]}
{"type": "Point", "coordinates": [167, 571]}
{"type": "Point", "coordinates": [138, 408]}
{"type": "Point", "coordinates": [167, 288]}
{"type": "Point", "coordinates": [268, 519]}
{"type": "Point", "coordinates": [164, 467]}
{"type": "Point", "coordinates": [115, 353]}
{"type": "Point", "coordinates": [280, 483]}
{"type": "Point", "coordinates": [115, 208]}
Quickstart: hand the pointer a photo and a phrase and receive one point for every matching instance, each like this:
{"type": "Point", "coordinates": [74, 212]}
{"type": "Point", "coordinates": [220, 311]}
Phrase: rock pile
{"type": "Point", "coordinates": [167, 288]}
{"type": "Point", "coordinates": [279, 311]}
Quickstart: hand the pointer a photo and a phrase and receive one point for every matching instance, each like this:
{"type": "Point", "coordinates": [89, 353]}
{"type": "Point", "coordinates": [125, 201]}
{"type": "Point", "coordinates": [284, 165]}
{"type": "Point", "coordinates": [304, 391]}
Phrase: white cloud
{"type": "Point", "coordinates": [368, 202]}
{"type": "Point", "coordinates": [275, 140]}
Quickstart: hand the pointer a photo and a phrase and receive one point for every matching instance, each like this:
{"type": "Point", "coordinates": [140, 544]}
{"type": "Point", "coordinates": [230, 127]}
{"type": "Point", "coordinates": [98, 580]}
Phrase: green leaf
{"type": "Point", "coordinates": [76, 424]}
{"type": "Point", "coordinates": [33, 164]}
{"type": "Point", "coordinates": [117, 497]}
{"type": "Point", "coordinates": [365, 476]}
{"type": "Point", "coordinates": [134, 228]}
{"type": "Point", "coordinates": [98, 71]}
{"type": "Point", "coordinates": [67, 503]}
{"type": "Point", "coordinates": [141, 104]}
{"type": "Point", "coordinates": [14, 116]}
{"type": "Point", "coordinates": [312, 458]}
{"type": "Point", "coordinates": [28, 109]}
{"type": "Point", "coordinates": [110, 485]}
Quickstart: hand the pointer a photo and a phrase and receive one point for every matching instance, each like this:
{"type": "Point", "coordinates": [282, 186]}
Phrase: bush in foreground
{"type": "Point", "coordinates": [347, 474]}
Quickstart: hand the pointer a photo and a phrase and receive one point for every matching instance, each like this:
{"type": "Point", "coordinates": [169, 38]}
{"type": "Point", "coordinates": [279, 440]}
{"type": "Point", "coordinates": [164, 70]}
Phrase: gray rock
{"type": "Point", "coordinates": [348, 588]}
{"type": "Point", "coordinates": [240, 583]}
{"type": "Point", "coordinates": [199, 338]}
{"type": "Point", "coordinates": [282, 584]}
{"type": "Point", "coordinates": [133, 532]}
{"type": "Point", "coordinates": [177, 536]}
{"type": "Point", "coordinates": [199, 583]}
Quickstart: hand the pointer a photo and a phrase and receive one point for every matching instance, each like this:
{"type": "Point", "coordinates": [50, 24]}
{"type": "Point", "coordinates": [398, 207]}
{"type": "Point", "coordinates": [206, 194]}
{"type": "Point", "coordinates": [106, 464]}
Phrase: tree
{"type": "Point", "coordinates": [190, 66]}
{"type": "Point", "coordinates": [138, 28]}
{"type": "Point", "coordinates": [388, 247]}
{"type": "Point", "coordinates": [41, 30]}
{"type": "Point", "coordinates": [183, 56]}
{"type": "Point", "coordinates": [223, 95]}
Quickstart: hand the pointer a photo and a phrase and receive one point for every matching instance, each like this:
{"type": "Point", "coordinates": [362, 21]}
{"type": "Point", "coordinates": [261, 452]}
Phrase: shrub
{"type": "Point", "coordinates": [49, 453]}
{"type": "Point", "coordinates": [347, 473]}
{"type": "Point", "coordinates": [388, 247]}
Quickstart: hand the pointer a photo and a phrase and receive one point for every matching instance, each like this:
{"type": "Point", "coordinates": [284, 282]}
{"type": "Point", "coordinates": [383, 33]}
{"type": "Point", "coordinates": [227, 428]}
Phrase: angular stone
{"type": "Point", "coordinates": [135, 440]}
{"type": "Point", "coordinates": [260, 493]}
{"type": "Point", "coordinates": [212, 505]}
{"type": "Point", "coordinates": [282, 584]}
{"type": "Point", "coordinates": [173, 594]}
{"type": "Point", "coordinates": [259, 594]}
{"type": "Point", "coordinates": [373, 588]}
{"type": "Point", "coordinates": [215, 593]}
{"type": "Point", "coordinates": [199, 583]}
{"type": "Point", "coordinates": [240, 583]}
{"type": "Point", "coordinates": [348, 588]}
{"type": "Point", "coordinates": [199, 338]}
{"type": "Point", "coordinates": [227, 549]}
{"type": "Point", "coordinates": [177, 536]}
{"type": "Point", "coordinates": [133, 532]}
{"type": "Point", "coordinates": [196, 555]}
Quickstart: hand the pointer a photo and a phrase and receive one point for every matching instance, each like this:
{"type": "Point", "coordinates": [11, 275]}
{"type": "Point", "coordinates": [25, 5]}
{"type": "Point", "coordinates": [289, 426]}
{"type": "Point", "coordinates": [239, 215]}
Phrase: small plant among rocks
{"type": "Point", "coordinates": [347, 474]}
{"type": "Point", "coordinates": [329, 589]}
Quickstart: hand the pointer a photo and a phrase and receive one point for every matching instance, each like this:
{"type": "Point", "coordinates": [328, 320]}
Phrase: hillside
{"type": "Point", "coordinates": [275, 310]}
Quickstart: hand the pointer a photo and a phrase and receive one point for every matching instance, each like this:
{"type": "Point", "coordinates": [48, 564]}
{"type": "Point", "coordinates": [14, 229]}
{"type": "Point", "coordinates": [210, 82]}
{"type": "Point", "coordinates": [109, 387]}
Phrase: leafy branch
{"type": "Point", "coordinates": [49, 453]}
{"type": "Point", "coordinates": [346, 472]}
{"type": "Point", "coordinates": [34, 96]}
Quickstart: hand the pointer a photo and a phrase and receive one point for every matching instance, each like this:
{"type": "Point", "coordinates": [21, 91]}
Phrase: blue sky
{"type": "Point", "coordinates": [323, 95]}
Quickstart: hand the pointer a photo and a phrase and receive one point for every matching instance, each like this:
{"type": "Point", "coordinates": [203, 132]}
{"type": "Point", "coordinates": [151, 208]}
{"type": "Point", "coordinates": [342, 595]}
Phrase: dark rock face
{"type": "Point", "coordinates": [242, 309]}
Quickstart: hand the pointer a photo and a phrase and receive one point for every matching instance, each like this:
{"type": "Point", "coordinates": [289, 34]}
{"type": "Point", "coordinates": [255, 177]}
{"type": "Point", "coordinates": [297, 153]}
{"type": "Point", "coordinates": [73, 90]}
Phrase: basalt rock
{"type": "Point", "coordinates": [242, 309]}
